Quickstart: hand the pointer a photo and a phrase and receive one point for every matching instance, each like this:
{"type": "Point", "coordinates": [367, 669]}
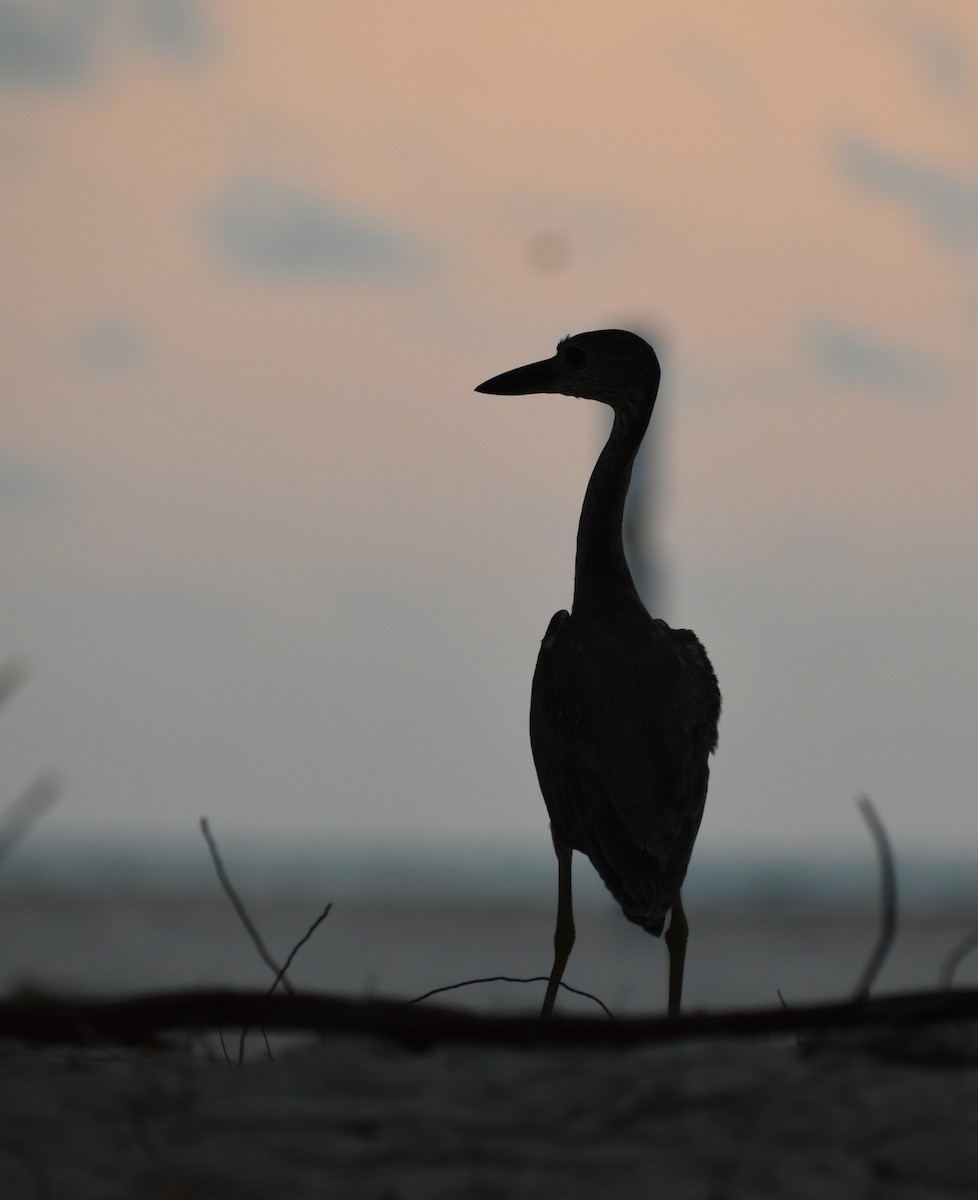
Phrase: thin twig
{"type": "Point", "coordinates": [888, 889]}
{"type": "Point", "coordinates": [450, 987]}
{"type": "Point", "coordinates": [957, 955]}
{"type": "Point", "coordinates": [239, 908]}
{"type": "Point", "coordinates": [281, 975]}
{"type": "Point", "coordinates": [224, 1049]}
{"type": "Point", "coordinates": [36, 799]}
{"type": "Point", "coordinates": [26, 811]}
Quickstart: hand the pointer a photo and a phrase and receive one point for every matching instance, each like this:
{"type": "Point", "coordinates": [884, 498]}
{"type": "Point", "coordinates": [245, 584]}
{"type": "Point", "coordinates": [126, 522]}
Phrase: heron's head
{"type": "Point", "coordinates": [609, 365]}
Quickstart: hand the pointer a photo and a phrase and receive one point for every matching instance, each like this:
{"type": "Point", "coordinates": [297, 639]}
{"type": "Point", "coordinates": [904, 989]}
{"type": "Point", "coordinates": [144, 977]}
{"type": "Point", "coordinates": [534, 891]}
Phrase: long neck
{"type": "Point", "coordinates": [602, 569]}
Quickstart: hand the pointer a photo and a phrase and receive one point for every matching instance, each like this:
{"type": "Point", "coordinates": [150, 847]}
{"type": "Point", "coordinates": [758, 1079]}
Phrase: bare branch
{"type": "Point", "coordinates": [281, 975]}
{"type": "Point", "coordinates": [239, 908]}
{"type": "Point", "coordinates": [35, 800]}
{"type": "Point", "coordinates": [957, 955]}
{"type": "Point", "coordinates": [26, 811]}
{"type": "Point", "coordinates": [888, 912]}
{"type": "Point", "coordinates": [279, 978]}
{"type": "Point", "coordinates": [224, 1049]}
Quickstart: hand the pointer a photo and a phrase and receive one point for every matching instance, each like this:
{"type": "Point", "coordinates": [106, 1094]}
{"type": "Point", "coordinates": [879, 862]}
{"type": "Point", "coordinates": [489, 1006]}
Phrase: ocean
{"type": "Point", "coordinates": [86, 918]}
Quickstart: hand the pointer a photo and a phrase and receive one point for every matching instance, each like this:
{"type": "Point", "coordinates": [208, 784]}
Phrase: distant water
{"type": "Point", "coordinates": [500, 872]}
{"type": "Point", "coordinates": [126, 917]}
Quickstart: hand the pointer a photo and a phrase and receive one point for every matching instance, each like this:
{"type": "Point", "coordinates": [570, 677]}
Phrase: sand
{"type": "Point", "coordinates": [865, 1116]}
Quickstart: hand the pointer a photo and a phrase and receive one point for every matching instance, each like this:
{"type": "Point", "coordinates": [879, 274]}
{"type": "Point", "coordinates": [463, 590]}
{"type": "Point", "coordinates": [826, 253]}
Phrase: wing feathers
{"type": "Point", "coordinates": [621, 729]}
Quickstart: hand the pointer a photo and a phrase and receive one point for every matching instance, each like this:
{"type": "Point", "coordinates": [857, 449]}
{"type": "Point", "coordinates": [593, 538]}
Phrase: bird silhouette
{"type": "Point", "coordinates": [623, 709]}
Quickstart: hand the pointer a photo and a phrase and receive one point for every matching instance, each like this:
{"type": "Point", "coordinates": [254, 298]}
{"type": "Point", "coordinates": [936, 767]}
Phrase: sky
{"type": "Point", "coordinates": [267, 557]}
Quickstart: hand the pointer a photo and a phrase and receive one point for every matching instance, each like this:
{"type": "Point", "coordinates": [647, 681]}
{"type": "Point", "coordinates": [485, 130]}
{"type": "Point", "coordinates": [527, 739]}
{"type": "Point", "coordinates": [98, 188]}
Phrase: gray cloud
{"type": "Point", "coordinates": [275, 229]}
{"type": "Point", "coordinates": [65, 43]}
{"type": "Point", "coordinates": [939, 54]}
{"type": "Point", "coordinates": [946, 203]}
{"type": "Point", "coordinates": [54, 44]}
{"type": "Point", "coordinates": [850, 356]}
{"type": "Point", "coordinates": [174, 28]}
{"type": "Point", "coordinates": [111, 344]}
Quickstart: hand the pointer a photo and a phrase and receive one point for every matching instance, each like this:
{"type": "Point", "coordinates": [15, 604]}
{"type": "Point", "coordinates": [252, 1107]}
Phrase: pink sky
{"type": "Point", "coordinates": [268, 555]}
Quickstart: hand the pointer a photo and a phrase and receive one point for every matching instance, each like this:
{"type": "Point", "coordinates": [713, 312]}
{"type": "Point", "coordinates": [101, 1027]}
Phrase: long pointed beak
{"type": "Point", "coordinates": [523, 381]}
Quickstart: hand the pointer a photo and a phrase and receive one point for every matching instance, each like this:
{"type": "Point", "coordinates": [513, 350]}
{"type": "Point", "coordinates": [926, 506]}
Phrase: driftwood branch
{"type": "Point", "coordinates": [143, 1019]}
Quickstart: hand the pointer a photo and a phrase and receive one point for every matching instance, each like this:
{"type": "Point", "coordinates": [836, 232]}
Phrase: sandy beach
{"type": "Point", "coordinates": [867, 1116]}
{"type": "Point", "coordinates": [871, 1113]}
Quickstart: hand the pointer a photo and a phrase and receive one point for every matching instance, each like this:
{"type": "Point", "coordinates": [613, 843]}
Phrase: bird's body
{"type": "Point", "coordinates": [621, 723]}
{"type": "Point", "coordinates": [624, 710]}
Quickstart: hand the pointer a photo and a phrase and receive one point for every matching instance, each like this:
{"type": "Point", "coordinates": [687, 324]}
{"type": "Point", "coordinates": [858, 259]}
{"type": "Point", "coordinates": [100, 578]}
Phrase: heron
{"type": "Point", "coordinates": [623, 709]}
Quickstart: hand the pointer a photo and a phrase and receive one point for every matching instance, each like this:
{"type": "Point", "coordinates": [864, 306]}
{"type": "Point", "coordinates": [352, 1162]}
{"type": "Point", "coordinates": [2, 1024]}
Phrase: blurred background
{"type": "Point", "coordinates": [268, 558]}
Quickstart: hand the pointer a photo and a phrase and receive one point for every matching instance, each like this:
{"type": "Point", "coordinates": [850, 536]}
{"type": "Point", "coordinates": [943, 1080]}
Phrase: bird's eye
{"type": "Point", "coordinates": [575, 357]}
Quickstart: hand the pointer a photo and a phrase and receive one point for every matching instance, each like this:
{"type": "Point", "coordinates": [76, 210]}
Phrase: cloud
{"type": "Point", "coordinates": [939, 54]}
{"type": "Point", "coordinates": [174, 28]}
{"type": "Point", "coordinates": [852, 357]}
{"type": "Point", "coordinates": [65, 43]}
{"type": "Point", "coordinates": [275, 229]}
{"type": "Point", "coordinates": [54, 44]}
{"type": "Point", "coordinates": [112, 344]}
{"type": "Point", "coordinates": [946, 203]}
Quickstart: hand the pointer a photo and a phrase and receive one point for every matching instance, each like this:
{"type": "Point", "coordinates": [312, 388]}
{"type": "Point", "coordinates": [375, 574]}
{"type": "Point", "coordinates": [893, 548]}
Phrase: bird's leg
{"type": "Point", "coordinates": [564, 932]}
{"type": "Point", "coordinates": [677, 935]}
